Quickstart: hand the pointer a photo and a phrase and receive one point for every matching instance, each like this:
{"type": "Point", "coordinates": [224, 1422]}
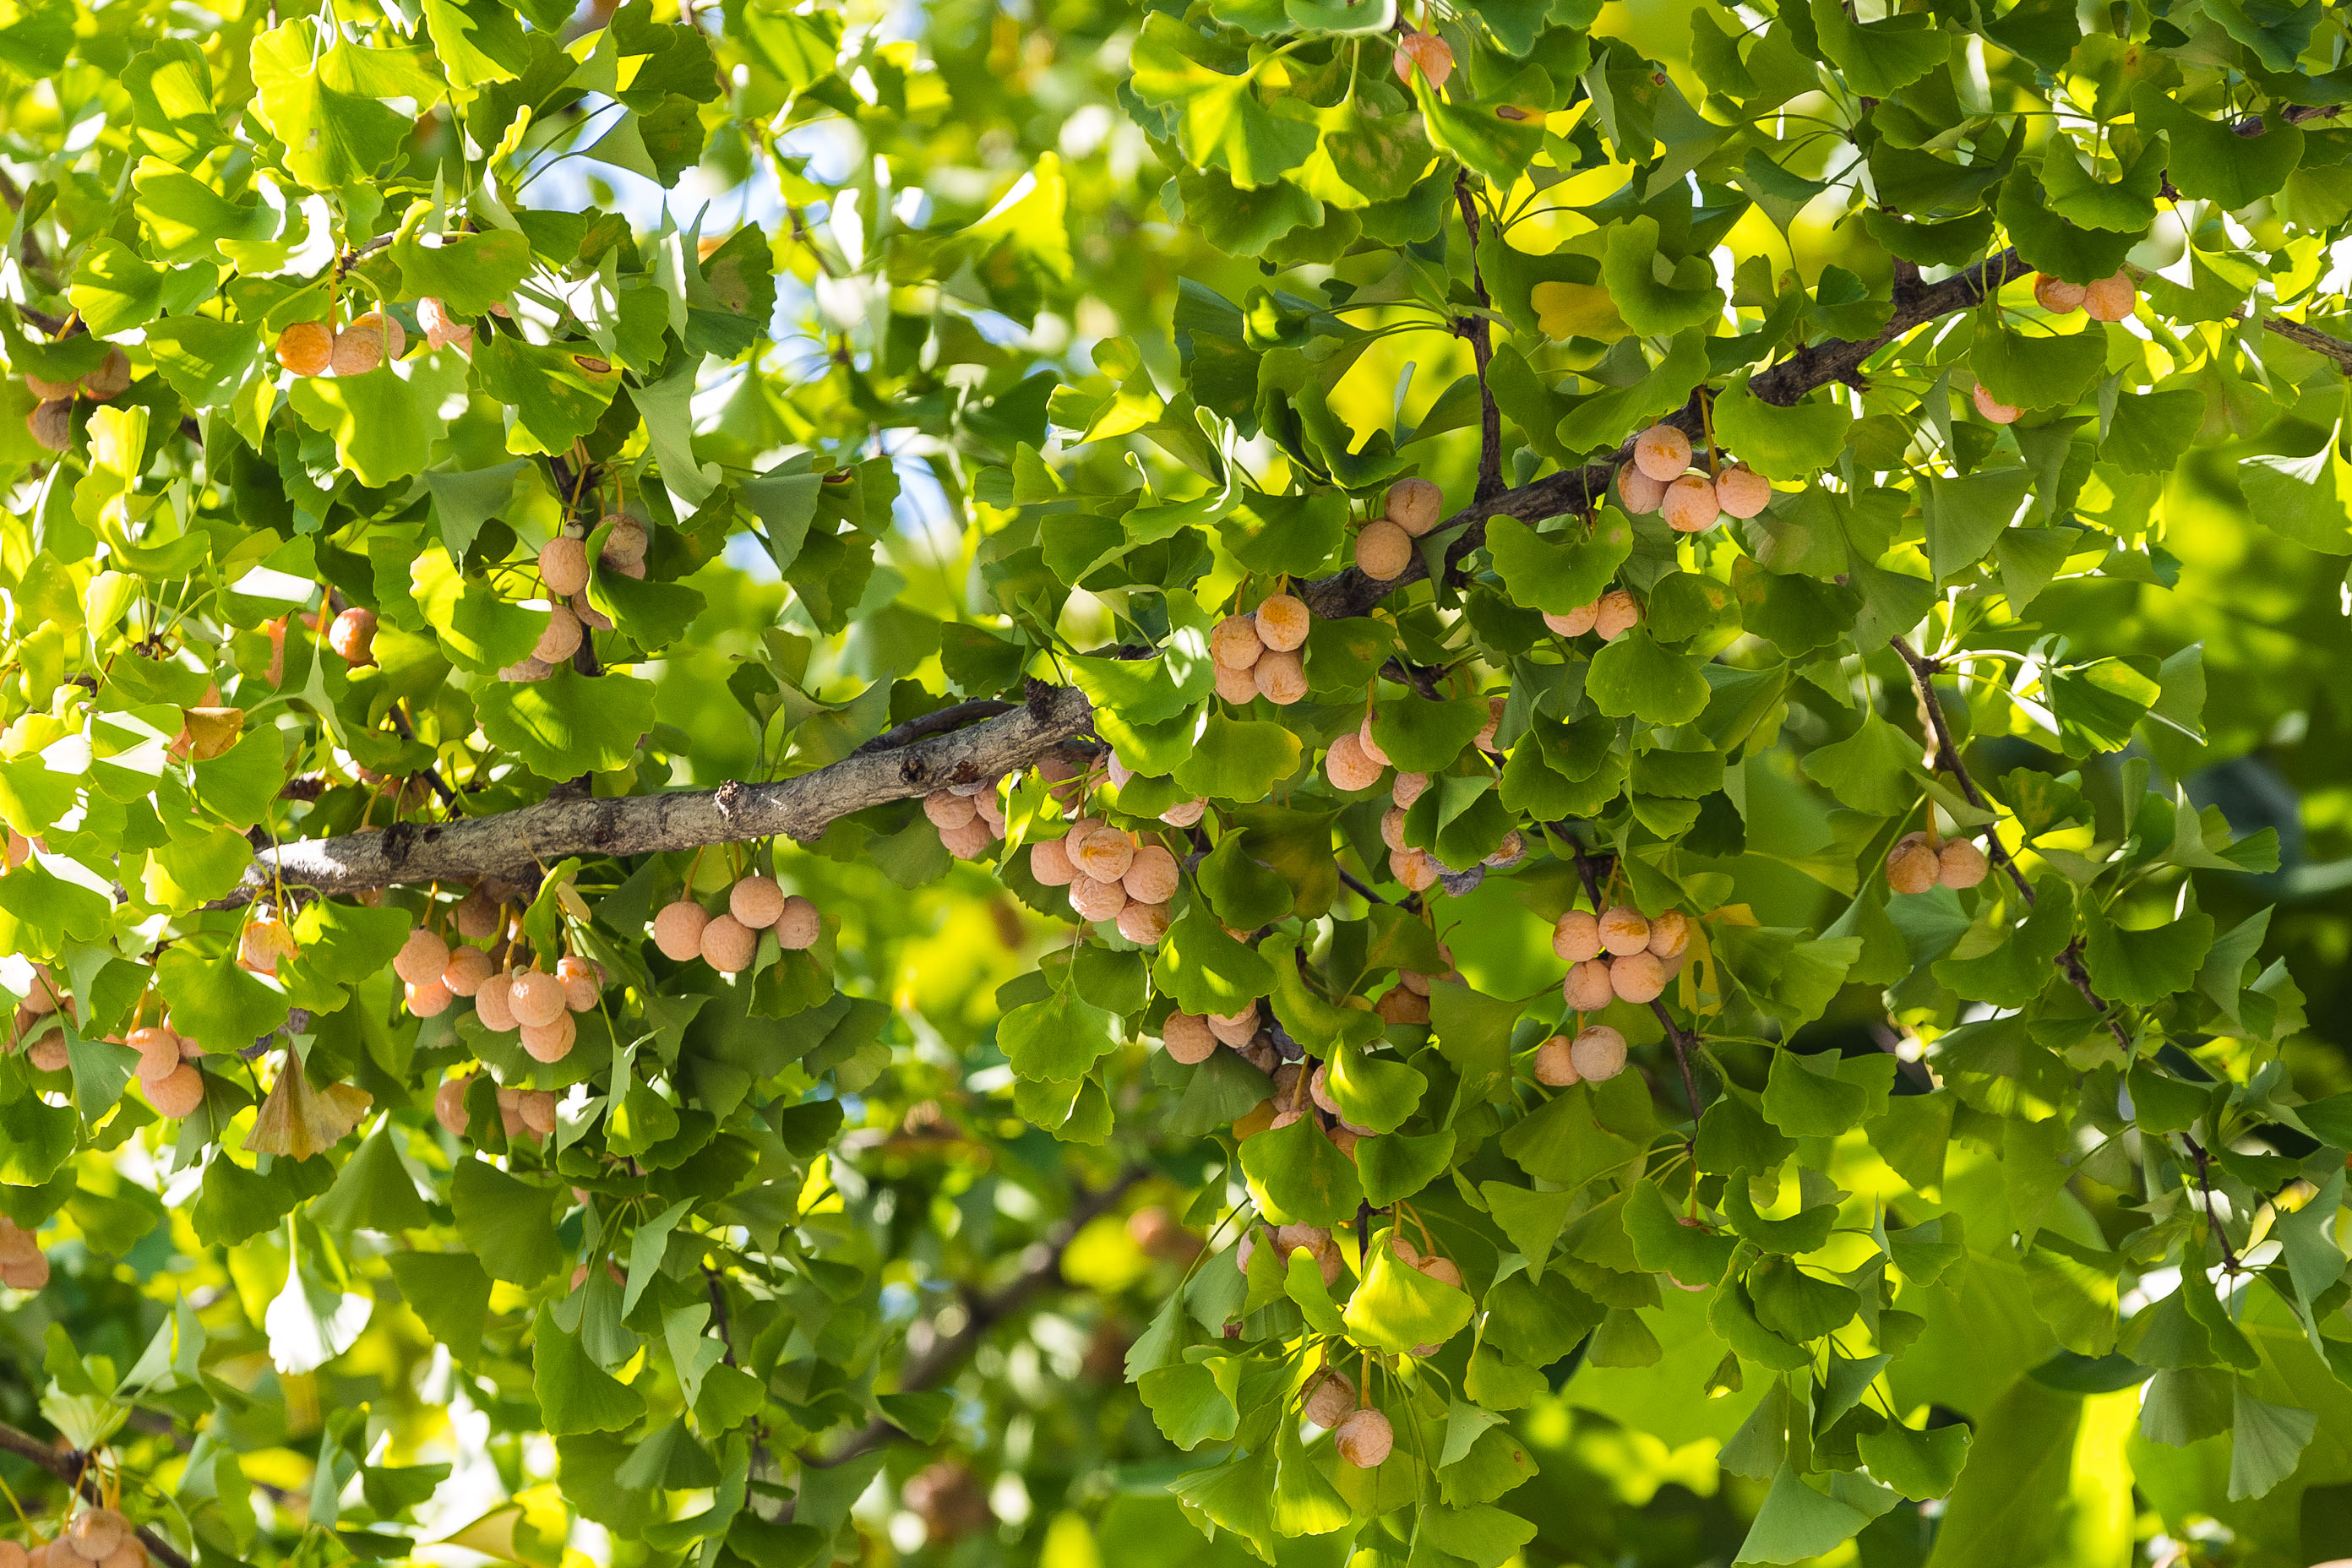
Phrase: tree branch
{"type": "Point", "coordinates": [77, 1472]}
{"type": "Point", "coordinates": [1947, 759]}
{"type": "Point", "coordinates": [1480, 331]}
{"type": "Point", "coordinates": [1041, 1265]}
{"type": "Point", "coordinates": [1351, 593]}
{"type": "Point", "coordinates": [516, 842]}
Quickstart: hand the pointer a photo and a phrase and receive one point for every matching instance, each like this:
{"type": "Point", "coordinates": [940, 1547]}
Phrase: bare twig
{"type": "Point", "coordinates": [936, 722]}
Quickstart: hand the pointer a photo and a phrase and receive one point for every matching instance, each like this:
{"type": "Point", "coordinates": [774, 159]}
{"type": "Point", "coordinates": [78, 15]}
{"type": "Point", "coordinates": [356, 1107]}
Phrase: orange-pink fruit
{"type": "Point", "coordinates": [493, 1003]}
{"type": "Point", "coordinates": [1617, 614]}
{"type": "Point", "coordinates": [1555, 1064]}
{"type": "Point", "coordinates": [728, 946]}
{"type": "Point", "coordinates": [1598, 1053]}
{"type": "Point", "coordinates": [1415, 506]}
{"type": "Point", "coordinates": [798, 925]}
{"type": "Point", "coordinates": [306, 348]}
{"type": "Point", "coordinates": [1662, 452]}
{"type": "Point", "coordinates": [421, 958]}
{"type": "Point", "coordinates": [537, 999]}
{"type": "Point", "coordinates": [1992, 407]}
{"type": "Point", "coordinates": [756, 901]}
{"type": "Point", "coordinates": [677, 930]}
{"type": "Point", "coordinates": [2057, 296]}
{"type": "Point", "coordinates": [1426, 53]}
{"type": "Point", "coordinates": [563, 565]}
{"type": "Point", "coordinates": [352, 635]}
{"type": "Point", "coordinates": [1382, 551]}
{"type": "Point", "coordinates": [2111, 298]}
{"type": "Point", "coordinates": [1741, 491]}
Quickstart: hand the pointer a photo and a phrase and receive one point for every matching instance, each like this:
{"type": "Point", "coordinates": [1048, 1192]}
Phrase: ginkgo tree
{"type": "Point", "coordinates": [1290, 779]}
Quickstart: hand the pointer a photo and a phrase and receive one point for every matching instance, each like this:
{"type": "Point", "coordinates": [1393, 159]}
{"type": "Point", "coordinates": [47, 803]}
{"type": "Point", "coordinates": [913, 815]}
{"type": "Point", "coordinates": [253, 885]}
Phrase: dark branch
{"type": "Point", "coordinates": [79, 1471]}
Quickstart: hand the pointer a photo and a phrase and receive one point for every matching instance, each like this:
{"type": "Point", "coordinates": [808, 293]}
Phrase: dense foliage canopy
{"type": "Point", "coordinates": [1288, 780]}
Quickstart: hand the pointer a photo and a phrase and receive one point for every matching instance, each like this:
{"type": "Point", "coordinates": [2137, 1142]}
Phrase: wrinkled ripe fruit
{"type": "Point", "coordinates": [677, 930]}
{"type": "Point", "coordinates": [563, 565]}
{"type": "Point", "coordinates": [583, 980]}
{"type": "Point", "coordinates": [1428, 54]}
{"type": "Point", "coordinates": [970, 842]}
{"type": "Point", "coordinates": [352, 635]}
{"type": "Point", "coordinates": [1105, 854]}
{"type": "Point", "coordinates": [1662, 452]}
{"type": "Point", "coordinates": [1740, 492]}
{"type": "Point", "coordinates": [1049, 862]}
{"type": "Point", "coordinates": [385, 327]}
{"type": "Point", "coordinates": [1347, 768]}
{"type": "Point", "coordinates": [1234, 643]}
{"type": "Point", "coordinates": [1912, 866]}
{"type": "Point", "coordinates": [1670, 935]}
{"type": "Point", "coordinates": [1414, 505]}
{"type": "Point", "coordinates": [1238, 687]}
{"type": "Point", "coordinates": [1993, 408]}
{"type": "Point", "coordinates": [1384, 551]}
{"type": "Point", "coordinates": [2057, 296]}
{"type": "Point", "coordinates": [1598, 1053]}
{"type": "Point", "coordinates": [1555, 1064]}
{"type": "Point", "coordinates": [2111, 298]}
{"type": "Point", "coordinates": [1406, 788]}
{"type": "Point", "coordinates": [449, 1105]}
{"type": "Point", "coordinates": [358, 349]}
{"type": "Point", "coordinates": [306, 348]}
{"type": "Point", "coordinates": [561, 640]}
{"type": "Point", "coordinates": [1617, 614]}
{"type": "Point", "coordinates": [626, 545]}
{"type": "Point", "coordinates": [1185, 814]}
{"type": "Point", "coordinates": [1961, 864]}
{"type": "Point", "coordinates": [947, 809]}
{"type": "Point", "coordinates": [1094, 898]}
{"type": "Point", "coordinates": [1640, 492]}
{"type": "Point", "coordinates": [1587, 989]}
{"type": "Point", "coordinates": [1577, 937]}
{"type": "Point", "coordinates": [1143, 924]}
{"type": "Point", "coordinates": [1235, 1029]}
{"type": "Point", "coordinates": [1152, 876]}
{"type": "Point", "coordinates": [1364, 1439]}
{"type": "Point", "coordinates": [51, 423]}
{"type": "Point", "coordinates": [110, 380]}
{"type": "Point", "coordinates": [1281, 678]}
{"type": "Point", "coordinates": [1329, 1398]}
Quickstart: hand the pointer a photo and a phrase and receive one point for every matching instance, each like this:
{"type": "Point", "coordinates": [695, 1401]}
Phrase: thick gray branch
{"type": "Point", "coordinates": [516, 842]}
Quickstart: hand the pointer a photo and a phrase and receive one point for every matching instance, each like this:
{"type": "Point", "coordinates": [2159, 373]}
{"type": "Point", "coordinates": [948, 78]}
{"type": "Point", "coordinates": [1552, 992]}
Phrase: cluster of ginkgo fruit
{"type": "Point", "coordinates": [522, 1112]}
{"type": "Point", "coordinates": [1256, 655]}
{"type": "Point", "coordinates": [1659, 478]}
{"type": "Point", "coordinates": [969, 817]}
{"type": "Point", "coordinates": [23, 1265]}
{"type": "Point", "coordinates": [1110, 876]}
{"type": "Point", "coordinates": [1356, 762]}
{"type": "Point", "coordinates": [166, 1070]}
{"type": "Point", "coordinates": [370, 340]}
{"type": "Point", "coordinates": [1384, 544]}
{"type": "Point", "coordinates": [94, 1538]}
{"type": "Point", "coordinates": [729, 941]}
{"type": "Point", "coordinates": [1920, 861]}
{"type": "Point", "coordinates": [51, 420]}
{"type": "Point", "coordinates": [1617, 955]}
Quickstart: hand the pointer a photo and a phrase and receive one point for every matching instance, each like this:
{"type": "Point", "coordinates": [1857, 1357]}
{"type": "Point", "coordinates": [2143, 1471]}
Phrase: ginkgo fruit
{"type": "Point", "coordinates": [728, 946]}
{"type": "Point", "coordinates": [1617, 613]}
{"type": "Point", "coordinates": [442, 329]}
{"type": "Point", "coordinates": [1185, 814]}
{"type": "Point", "coordinates": [1992, 407]}
{"type": "Point", "coordinates": [1347, 768]}
{"type": "Point", "coordinates": [1663, 452]}
{"type": "Point", "coordinates": [1414, 505]}
{"type": "Point", "coordinates": [307, 347]}
{"type": "Point", "coordinates": [1282, 622]}
{"type": "Point", "coordinates": [561, 639]}
{"type": "Point", "coordinates": [1143, 924]}
{"type": "Point", "coordinates": [1234, 643]}
{"type": "Point", "coordinates": [1426, 53]}
{"type": "Point", "coordinates": [1152, 876]}
{"type": "Point", "coordinates": [263, 943]}
{"type": "Point", "coordinates": [177, 1093]}
{"type": "Point", "coordinates": [550, 1041]}
{"type": "Point", "coordinates": [429, 1000]}
{"type": "Point", "coordinates": [477, 916]}
{"type": "Point", "coordinates": [1689, 506]}
{"type": "Point", "coordinates": [677, 930]}
{"type": "Point", "coordinates": [1050, 863]}
{"type": "Point", "coordinates": [1670, 934]}
{"type": "Point", "coordinates": [51, 423]}
{"type": "Point", "coordinates": [2111, 298]}
{"type": "Point", "coordinates": [491, 1004]}
{"type": "Point", "coordinates": [358, 349]}
{"type": "Point", "coordinates": [1331, 1395]}
{"type": "Point", "coordinates": [1574, 624]}
{"type": "Point", "coordinates": [1105, 854]}
{"type": "Point", "coordinates": [1235, 1028]}
{"type": "Point", "coordinates": [1094, 898]}
{"type": "Point", "coordinates": [1623, 930]}
{"type": "Point", "coordinates": [110, 380]}
{"type": "Point", "coordinates": [1368, 745]}
{"type": "Point", "coordinates": [1364, 1439]}
{"type": "Point", "coordinates": [1236, 686]}
{"type": "Point", "coordinates": [1406, 788]}
{"type": "Point", "coordinates": [757, 901]}
{"type": "Point", "coordinates": [583, 980]}
{"type": "Point", "coordinates": [2057, 296]}
{"type": "Point", "coordinates": [563, 565]}
{"type": "Point", "coordinates": [1598, 1053]}
{"type": "Point", "coordinates": [1637, 977]}
{"type": "Point", "coordinates": [421, 958]}
{"type": "Point", "coordinates": [1961, 864]}
{"type": "Point", "coordinates": [1576, 936]}
{"type": "Point", "coordinates": [1188, 1039]}
{"type": "Point", "coordinates": [468, 969]}
{"type": "Point", "coordinates": [1281, 678]}
{"type": "Point", "coordinates": [1382, 551]}
{"type": "Point", "coordinates": [352, 635]}
{"type": "Point", "coordinates": [1555, 1064]}
{"type": "Point", "coordinates": [1641, 494]}
{"type": "Point", "coordinates": [947, 809]}
{"type": "Point", "coordinates": [625, 546]}
{"type": "Point", "coordinates": [1416, 868]}
{"type": "Point", "coordinates": [798, 925]}
{"type": "Point", "coordinates": [1586, 988]}
{"type": "Point", "coordinates": [1912, 866]}
{"type": "Point", "coordinates": [537, 999]}
{"type": "Point", "coordinates": [1740, 492]}
{"type": "Point", "coordinates": [449, 1105]}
